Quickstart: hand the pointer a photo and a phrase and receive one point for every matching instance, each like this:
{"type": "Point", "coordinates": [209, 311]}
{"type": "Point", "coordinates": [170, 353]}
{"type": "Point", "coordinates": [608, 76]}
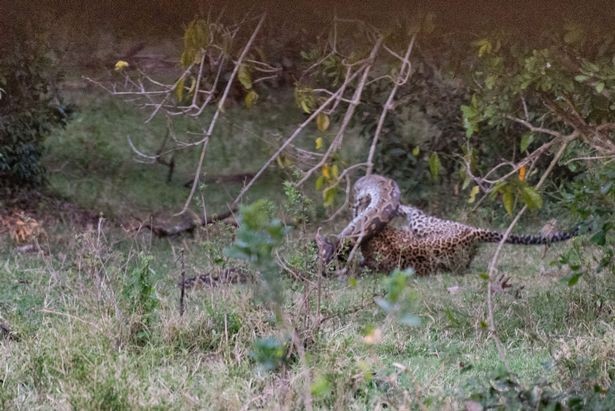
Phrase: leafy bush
{"type": "Point", "coordinates": [29, 108]}
{"type": "Point", "coordinates": [422, 133]}
{"type": "Point", "coordinates": [505, 392]}
{"type": "Point", "coordinates": [597, 184]}
{"type": "Point", "coordinates": [538, 98]}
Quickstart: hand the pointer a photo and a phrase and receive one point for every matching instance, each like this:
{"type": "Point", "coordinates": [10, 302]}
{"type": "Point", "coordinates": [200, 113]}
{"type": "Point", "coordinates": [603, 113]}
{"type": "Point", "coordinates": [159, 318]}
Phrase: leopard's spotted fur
{"type": "Point", "coordinates": [429, 244]}
{"type": "Point", "coordinates": [424, 242]}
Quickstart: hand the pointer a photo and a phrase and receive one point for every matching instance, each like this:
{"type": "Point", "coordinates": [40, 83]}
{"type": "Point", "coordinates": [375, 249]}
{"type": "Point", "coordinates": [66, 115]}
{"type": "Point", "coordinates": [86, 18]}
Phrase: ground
{"type": "Point", "coordinates": [79, 339]}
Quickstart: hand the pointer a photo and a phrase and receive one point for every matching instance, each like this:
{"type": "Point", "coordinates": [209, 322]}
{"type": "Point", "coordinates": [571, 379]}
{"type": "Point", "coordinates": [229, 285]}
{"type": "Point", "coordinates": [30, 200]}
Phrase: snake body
{"type": "Point", "coordinates": [425, 243]}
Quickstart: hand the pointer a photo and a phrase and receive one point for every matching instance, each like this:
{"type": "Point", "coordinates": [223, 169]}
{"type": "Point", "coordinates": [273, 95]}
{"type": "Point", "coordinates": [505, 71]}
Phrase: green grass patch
{"type": "Point", "coordinates": [77, 328]}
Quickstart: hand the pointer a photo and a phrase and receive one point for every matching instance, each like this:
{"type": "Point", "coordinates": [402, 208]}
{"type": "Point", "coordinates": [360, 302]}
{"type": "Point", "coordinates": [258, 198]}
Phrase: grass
{"type": "Point", "coordinates": [77, 345]}
{"type": "Point", "coordinates": [90, 337]}
{"type": "Point", "coordinates": [91, 163]}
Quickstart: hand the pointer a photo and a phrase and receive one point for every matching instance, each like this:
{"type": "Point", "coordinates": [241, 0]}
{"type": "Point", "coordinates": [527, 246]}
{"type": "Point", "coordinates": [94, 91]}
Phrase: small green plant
{"type": "Point", "coordinates": [269, 353]}
{"type": "Point", "coordinates": [141, 299]}
{"type": "Point", "coordinates": [400, 299]}
{"type": "Point", "coordinates": [259, 234]}
{"type": "Point", "coordinates": [297, 205]}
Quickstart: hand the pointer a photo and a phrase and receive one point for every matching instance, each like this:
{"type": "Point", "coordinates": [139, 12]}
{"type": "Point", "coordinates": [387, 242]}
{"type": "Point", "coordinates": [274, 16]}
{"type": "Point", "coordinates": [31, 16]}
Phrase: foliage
{"type": "Point", "coordinates": [258, 235]}
{"type": "Point", "coordinates": [29, 107]}
{"type": "Point", "coordinates": [535, 95]}
{"type": "Point", "coordinates": [269, 353]}
{"type": "Point", "coordinates": [423, 133]}
{"type": "Point", "coordinates": [504, 391]}
{"type": "Point", "coordinates": [141, 299]}
{"type": "Point", "coordinates": [400, 300]}
{"type": "Point", "coordinates": [597, 184]}
{"type": "Point", "coordinates": [298, 205]}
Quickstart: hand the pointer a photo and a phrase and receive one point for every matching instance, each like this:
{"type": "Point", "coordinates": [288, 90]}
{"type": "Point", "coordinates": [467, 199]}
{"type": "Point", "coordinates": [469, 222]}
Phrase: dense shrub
{"type": "Point", "coordinates": [29, 107]}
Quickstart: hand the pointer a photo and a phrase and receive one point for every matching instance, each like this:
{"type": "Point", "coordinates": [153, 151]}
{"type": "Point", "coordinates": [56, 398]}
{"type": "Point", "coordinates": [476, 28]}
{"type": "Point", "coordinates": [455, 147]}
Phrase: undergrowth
{"type": "Point", "coordinates": [99, 327]}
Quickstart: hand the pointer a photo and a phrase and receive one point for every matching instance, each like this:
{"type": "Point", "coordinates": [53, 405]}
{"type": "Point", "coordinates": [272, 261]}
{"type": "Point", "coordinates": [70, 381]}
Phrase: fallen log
{"type": "Point", "coordinates": [176, 225]}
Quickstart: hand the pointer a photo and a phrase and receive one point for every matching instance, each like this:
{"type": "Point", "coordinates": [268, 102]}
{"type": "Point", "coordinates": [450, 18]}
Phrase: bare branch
{"type": "Point", "coordinates": [534, 128]}
{"type": "Point", "coordinates": [402, 78]}
{"type": "Point", "coordinates": [337, 141]}
{"type": "Point", "coordinates": [294, 135]}
{"type": "Point", "coordinates": [494, 259]}
{"type": "Point", "coordinates": [212, 123]}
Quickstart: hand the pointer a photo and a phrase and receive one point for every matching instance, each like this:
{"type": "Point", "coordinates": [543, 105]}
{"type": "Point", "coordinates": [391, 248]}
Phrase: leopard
{"type": "Point", "coordinates": [425, 243]}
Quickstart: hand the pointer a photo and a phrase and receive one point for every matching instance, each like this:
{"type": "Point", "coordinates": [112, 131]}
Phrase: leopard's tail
{"type": "Point", "coordinates": [495, 237]}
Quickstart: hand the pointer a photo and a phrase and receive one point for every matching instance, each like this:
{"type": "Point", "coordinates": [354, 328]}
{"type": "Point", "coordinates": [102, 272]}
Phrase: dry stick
{"type": "Point", "coordinates": [406, 65]}
{"type": "Point", "coordinates": [337, 141]}
{"type": "Point", "coordinates": [494, 259]}
{"type": "Point", "coordinates": [292, 137]}
{"type": "Point", "coordinates": [182, 293]}
{"type": "Point", "coordinates": [212, 124]}
{"type": "Point", "coordinates": [211, 92]}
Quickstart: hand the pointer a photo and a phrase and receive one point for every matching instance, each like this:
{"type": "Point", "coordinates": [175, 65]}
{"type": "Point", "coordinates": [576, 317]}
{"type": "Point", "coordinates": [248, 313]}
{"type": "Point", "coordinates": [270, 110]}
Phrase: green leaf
{"type": "Point", "coordinates": [321, 386]}
{"type": "Point", "coordinates": [322, 121]}
{"type": "Point", "coordinates": [244, 76]}
{"type": "Point", "coordinates": [526, 140]}
{"type": "Point", "coordinates": [531, 198]}
{"type": "Point", "coordinates": [328, 196]}
{"type": "Point", "coordinates": [305, 106]}
{"type": "Point", "coordinates": [573, 278]}
{"type": "Point", "coordinates": [434, 165]}
{"type": "Point", "coordinates": [250, 99]}
{"type": "Point", "coordinates": [179, 90]}
{"type": "Point", "coordinates": [508, 200]}
{"type": "Point", "coordinates": [491, 81]}
{"type": "Point", "coordinates": [416, 151]}
{"type": "Point", "coordinates": [599, 87]}
{"type": "Point", "coordinates": [581, 78]}
{"type": "Point", "coordinates": [473, 193]}
{"type": "Point", "coordinates": [320, 182]}
{"type": "Point", "coordinates": [470, 119]}
{"type": "Point", "coordinates": [599, 238]}
{"type": "Point", "coordinates": [484, 46]}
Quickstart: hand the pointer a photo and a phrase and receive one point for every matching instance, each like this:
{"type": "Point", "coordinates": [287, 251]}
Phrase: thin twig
{"type": "Point", "coordinates": [182, 292]}
{"type": "Point", "coordinates": [356, 98]}
{"type": "Point", "coordinates": [212, 123]}
{"type": "Point", "coordinates": [494, 259]}
{"type": "Point", "coordinates": [292, 137]}
{"type": "Point", "coordinates": [402, 77]}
